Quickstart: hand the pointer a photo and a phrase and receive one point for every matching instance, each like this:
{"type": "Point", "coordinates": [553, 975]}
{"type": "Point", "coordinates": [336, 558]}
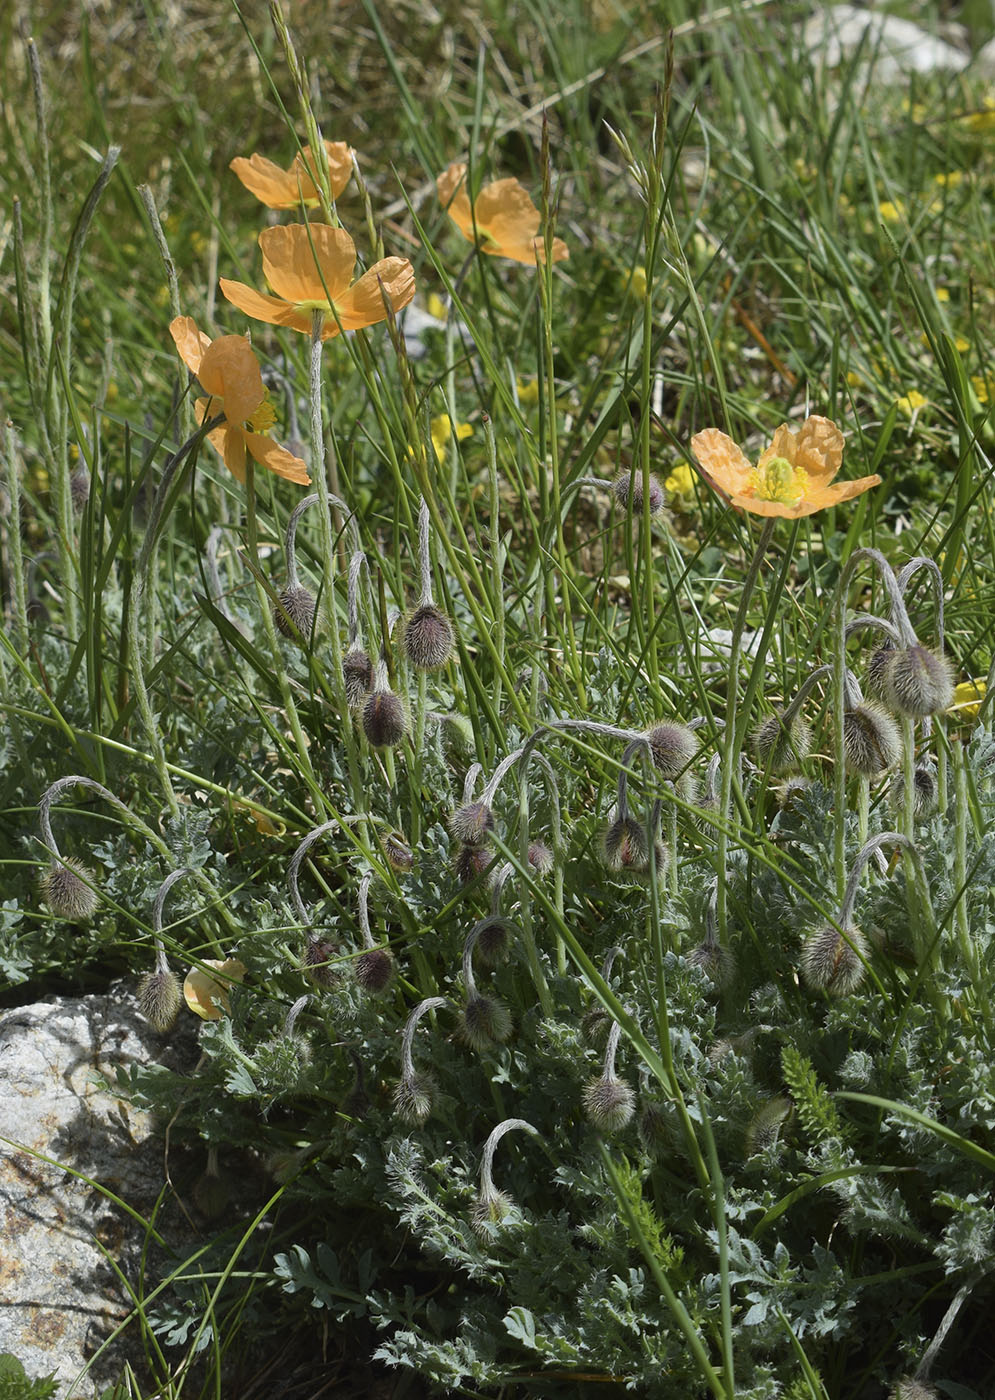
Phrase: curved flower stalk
{"type": "Point", "coordinates": [492, 1206]}
{"type": "Point", "coordinates": [294, 613]}
{"type": "Point", "coordinates": [414, 1093]}
{"type": "Point", "coordinates": [159, 995]}
{"type": "Point", "coordinates": [427, 633]}
{"type": "Point", "coordinates": [596, 1020]}
{"type": "Point", "coordinates": [374, 968]}
{"type": "Point", "coordinates": [629, 846]}
{"type": "Point", "coordinates": [357, 668]}
{"type": "Point", "coordinates": [783, 740]}
{"type": "Point", "coordinates": [609, 1102]}
{"type": "Point", "coordinates": [717, 963]}
{"type": "Point", "coordinates": [484, 1021]}
{"type": "Point", "coordinates": [502, 221]}
{"type": "Point", "coordinates": [318, 948]}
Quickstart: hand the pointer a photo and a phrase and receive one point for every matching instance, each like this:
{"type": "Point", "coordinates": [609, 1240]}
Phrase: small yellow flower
{"type": "Point", "coordinates": [981, 387]}
{"type": "Point", "coordinates": [502, 220]}
{"type": "Point", "coordinates": [984, 118]}
{"type": "Point", "coordinates": [436, 307]}
{"type": "Point", "coordinates": [680, 482]}
{"type": "Point", "coordinates": [635, 283]}
{"type": "Point", "coordinates": [942, 294]}
{"type": "Point", "coordinates": [911, 403]}
{"type": "Point", "coordinates": [207, 996]}
{"type": "Point", "coordinates": [968, 696]}
{"type": "Point", "coordinates": [528, 390]}
{"type": "Point", "coordinates": [891, 212]}
{"type": "Point", "coordinates": [949, 179]}
{"type": "Point", "coordinates": [442, 432]}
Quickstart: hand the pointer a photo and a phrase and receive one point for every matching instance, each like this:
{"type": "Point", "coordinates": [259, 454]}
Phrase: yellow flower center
{"type": "Point", "coordinates": [778, 480]}
{"type": "Point", "coordinates": [264, 417]}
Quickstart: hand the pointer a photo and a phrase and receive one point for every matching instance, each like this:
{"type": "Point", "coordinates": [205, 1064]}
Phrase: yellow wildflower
{"type": "Point", "coordinates": [436, 307]}
{"type": "Point", "coordinates": [528, 390]}
{"type": "Point", "coordinates": [442, 433]}
{"type": "Point", "coordinates": [968, 696]}
{"type": "Point", "coordinates": [680, 482]}
{"type": "Point", "coordinates": [206, 995]}
{"type": "Point", "coordinates": [635, 283]}
{"type": "Point", "coordinates": [981, 387]}
{"type": "Point", "coordinates": [949, 179]}
{"type": "Point", "coordinates": [891, 212]}
{"type": "Point", "coordinates": [911, 403]}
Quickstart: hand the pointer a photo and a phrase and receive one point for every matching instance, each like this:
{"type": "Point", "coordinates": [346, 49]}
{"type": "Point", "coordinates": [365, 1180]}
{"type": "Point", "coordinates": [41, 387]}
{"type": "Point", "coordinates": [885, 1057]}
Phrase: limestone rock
{"type": "Point", "coordinates": [894, 46]}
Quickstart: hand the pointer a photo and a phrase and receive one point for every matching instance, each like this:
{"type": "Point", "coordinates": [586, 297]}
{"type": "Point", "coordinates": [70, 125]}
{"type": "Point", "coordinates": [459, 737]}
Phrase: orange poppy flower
{"type": "Point", "coordinates": [288, 189]}
{"type": "Point", "coordinates": [229, 371]}
{"type": "Point", "coordinates": [792, 477]}
{"type": "Point", "coordinates": [502, 220]}
{"type": "Point", "coordinates": [207, 996]}
{"type": "Point", "coordinates": [306, 281]}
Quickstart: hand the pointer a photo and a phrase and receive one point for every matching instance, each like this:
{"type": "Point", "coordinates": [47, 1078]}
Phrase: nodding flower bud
{"type": "Point", "coordinates": [489, 1209]}
{"type": "Point", "coordinates": [294, 612]}
{"type": "Point", "coordinates": [470, 862]}
{"type": "Point", "coordinates": [79, 489]}
{"type": "Point", "coordinates": [911, 1388]}
{"type": "Point", "coordinates": [492, 1207]}
{"type": "Point", "coordinates": [316, 961]}
{"type": "Point", "coordinates": [924, 790]}
{"type": "Point", "coordinates": [608, 1101]}
{"type": "Point", "coordinates": [871, 740]}
{"type": "Point", "coordinates": [484, 1022]}
{"type": "Point", "coordinates": [160, 998]}
{"type": "Point", "coordinates": [630, 483]}
{"type": "Point", "coordinates": [765, 1127]}
{"type": "Point", "coordinates": [374, 969]}
{"type": "Point", "coordinates": [832, 962]}
{"type": "Point", "coordinates": [385, 722]}
{"type": "Point", "coordinates": [876, 668]}
{"type": "Point", "coordinates": [625, 850]}
{"type": "Point", "coordinates": [428, 638]}
{"type": "Point", "coordinates": [493, 940]}
{"type": "Point", "coordinates": [673, 746]}
{"type": "Point", "coordinates": [357, 673]}
{"type": "Point", "coordinates": [717, 963]}
{"type": "Point", "coordinates": [413, 1097]}
{"type": "Point", "coordinates": [540, 857]}
{"type": "Point", "coordinates": [398, 853]}
{"type": "Point", "coordinates": [472, 823]}
{"type": "Point", "coordinates": [66, 887]}
{"type": "Point", "coordinates": [780, 745]}
{"type": "Point", "coordinates": [918, 682]}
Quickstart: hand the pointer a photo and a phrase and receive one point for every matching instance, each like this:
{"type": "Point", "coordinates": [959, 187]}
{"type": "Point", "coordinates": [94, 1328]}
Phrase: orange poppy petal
{"type": "Point", "coordinates": [530, 252]}
{"type": "Point", "coordinates": [276, 459]}
{"type": "Point", "coordinates": [363, 303]}
{"type": "Point", "coordinates": [723, 461]}
{"type": "Point", "coordinates": [339, 168]}
{"type": "Point", "coordinates": [783, 445]}
{"type": "Point", "coordinates": [818, 498]}
{"type": "Point", "coordinates": [819, 449]}
{"type": "Point", "coordinates": [276, 188]}
{"type": "Point", "coordinates": [230, 371]}
{"type": "Point", "coordinates": [273, 310]}
{"type": "Point", "coordinates": [189, 341]}
{"type": "Point", "coordinates": [289, 263]}
{"type": "Point", "coordinates": [505, 210]}
{"type": "Point", "coordinates": [207, 995]}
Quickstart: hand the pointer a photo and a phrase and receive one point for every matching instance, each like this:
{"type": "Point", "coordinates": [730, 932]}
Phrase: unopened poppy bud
{"type": "Point", "coordinates": [493, 941]}
{"type": "Point", "coordinates": [623, 845]}
{"type": "Point", "coordinates": [428, 637]}
{"type": "Point", "coordinates": [609, 1103]}
{"type": "Point", "coordinates": [765, 1127]}
{"type": "Point", "coordinates": [540, 857]}
{"type": "Point", "coordinates": [832, 963]}
{"type": "Point", "coordinates": [717, 963]}
{"type": "Point", "coordinates": [79, 489]}
{"type": "Point", "coordinates": [630, 483]}
{"type": "Point", "coordinates": [780, 746]}
{"type": "Point", "coordinates": [398, 853]}
{"type": "Point", "coordinates": [924, 790]}
{"type": "Point", "coordinates": [413, 1098]}
{"type": "Point", "coordinates": [673, 747]}
{"type": "Point", "coordinates": [471, 861]}
{"type": "Point", "coordinates": [316, 961]}
{"type": "Point", "coordinates": [295, 608]}
{"type": "Point", "coordinates": [160, 998]}
{"type": "Point", "coordinates": [66, 889]}
{"type": "Point", "coordinates": [484, 1022]}
{"type": "Point", "coordinates": [472, 823]}
{"type": "Point", "coordinates": [374, 969]}
{"type": "Point", "coordinates": [490, 1208]}
{"type": "Point", "coordinates": [595, 1025]}
{"type": "Point", "coordinates": [357, 673]}
{"type": "Point", "coordinates": [918, 682]}
{"type": "Point", "coordinates": [871, 740]}
{"type": "Point", "coordinates": [654, 1127]}
{"type": "Point", "coordinates": [876, 668]}
{"type": "Point", "coordinates": [384, 720]}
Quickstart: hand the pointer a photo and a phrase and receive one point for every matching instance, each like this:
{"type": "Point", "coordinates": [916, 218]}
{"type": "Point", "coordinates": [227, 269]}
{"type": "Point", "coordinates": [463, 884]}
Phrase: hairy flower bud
{"type": "Point", "coordinates": [384, 720]}
{"type": "Point", "coordinates": [876, 668]}
{"type": "Point", "coordinates": [398, 853]}
{"type": "Point", "coordinates": [871, 739]}
{"type": "Point", "coordinates": [160, 998]}
{"type": "Point", "coordinates": [484, 1022]}
{"type": "Point", "coordinates": [717, 963]}
{"type": "Point", "coordinates": [357, 673]}
{"type": "Point", "coordinates": [625, 850]}
{"type": "Point", "coordinates": [910, 1388]}
{"type": "Point", "coordinates": [631, 483]}
{"type": "Point", "coordinates": [490, 1208]}
{"type": "Point", "coordinates": [764, 1130]}
{"type": "Point", "coordinates": [654, 1127]}
{"type": "Point", "coordinates": [918, 682]}
{"type": "Point", "coordinates": [428, 638]}
{"type": "Point", "coordinates": [316, 961]}
{"type": "Point", "coordinates": [779, 746]}
{"type": "Point", "coordinates": [472, 823]}
{"type": "Point", "coordinates": [470, 862]}
{"type": "Point", "coordinates": [413, 1098]}
{"type": "Point", "coordinates": [832, 963]}
{"type": "Point", "coordinates": [540, 857]}
{"type": "Point", "coordinates": [609, 1103]}
{"type": "Point", "coordinates": [673, 747]}
{"type": "Point", "coordinates": [373, 969]}
{"type": "Point", "coordinates": [493, 941]}
{"type": "Point", "coordinates": [924, 790]}
{"type": "Point", "coordinates": [295, 609]}
{"type": "Point", "coordinates": [66, 889]}
{"type": "Point", "coordinates": [79, 489]}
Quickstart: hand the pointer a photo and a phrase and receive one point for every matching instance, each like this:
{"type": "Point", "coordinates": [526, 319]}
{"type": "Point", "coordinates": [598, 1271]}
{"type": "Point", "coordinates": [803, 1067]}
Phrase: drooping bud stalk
{"type": "Point", "coordinates": [492, 1206]}
{"type": "Point", "coordinates": [159, 994]}
{"type": "Point", "coordinates": [624, 485]}
{"type": "Point", "coordinates": [428, 633]}
{"type": "Point", "coordinates": [626, 843]}
{"type": "Point", "coordinates": [294, 613]}
{"type": "Point", "coordinates": [374, 968]}
{"type": "Point", "coordinates": [318, 949]}
{"type": "Point", "coordinates": [596, 1021]}
{"type": "Point", "coordinates": [484, 1021]}
{"type": "Point", "coordinates": [413, 1094]}
{"type": "Point", "coordinates": [608, 1101]}
{"type": "Point", "coordinates": [716, 962]}
{"type": "Point", "coordinates": [357, 668]}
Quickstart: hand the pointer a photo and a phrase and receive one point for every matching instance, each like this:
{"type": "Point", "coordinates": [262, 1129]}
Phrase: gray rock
{"type": "Point", "coordinates": [894, 46]}
{"type": "Point", "coordinates": [60, 1296]}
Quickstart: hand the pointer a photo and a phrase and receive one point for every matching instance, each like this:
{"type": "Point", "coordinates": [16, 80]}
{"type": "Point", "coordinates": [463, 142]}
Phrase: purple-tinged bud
{"type": "Point", "coordinates": [918, 682]}
{"type": "Point", "coordinates": [871, 740]}
{"type": "Point", "coordinates": [357, 673]}
{"type": "Point", "coordinates": [472, 823]}
{"type": "Point", "coordinates": [540, 857]}
{"type": "Point", "coordinates": [385, 722]}
{"type": "Point", "coordinates": [428, 638]}
{"type": "Point", "coordinates": [625, 851]}
{"type": "Point", "coordinates": [470, 862]}
{"type": "Point", "coordinates": [779, 746]}
{"type": "Point", "coordinates": [484, 1022]}
{"type": "Point", "coordinates": [876, 668]}
{"type": "Point", "coordinates": [66, 889]}
{"type": "Point", "coordinates": [374, 969]}
{"type": "Point", "coordinates": [673, 747]}
{"type": "Point", "coordinates": [924, 790]}
{"type": "Point", "coordinates": [295, 609]}
{"type": "Point", "coordinates": [317, 963]}
{"type": "Point", "coordinates": [493, 941]}
{"type": "Point", "coordinates": [631, 483]}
